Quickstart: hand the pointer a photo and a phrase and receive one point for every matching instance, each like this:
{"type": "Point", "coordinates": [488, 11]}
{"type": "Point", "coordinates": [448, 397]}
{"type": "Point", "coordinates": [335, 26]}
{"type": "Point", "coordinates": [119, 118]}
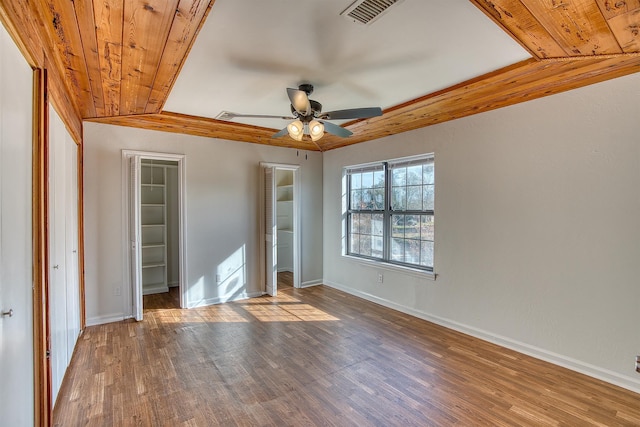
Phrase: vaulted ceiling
{"type": "Point", "coordinates": [116, 62]}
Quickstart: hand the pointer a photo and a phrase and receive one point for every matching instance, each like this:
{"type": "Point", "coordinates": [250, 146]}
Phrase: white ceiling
{"type": "Point", "coordinates": [248, 52]}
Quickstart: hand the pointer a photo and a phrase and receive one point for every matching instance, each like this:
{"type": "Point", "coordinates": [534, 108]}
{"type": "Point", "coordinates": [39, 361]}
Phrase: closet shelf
{"type": "Point", "coordinates": [153, 245]}
{"type": "Point", "coordinates": [153, 218]}
{"type": "Point", "coordinates": [153, 264]}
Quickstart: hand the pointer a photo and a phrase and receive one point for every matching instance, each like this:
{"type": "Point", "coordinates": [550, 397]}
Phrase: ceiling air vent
{"type": "Point", "coordinates": [367, 12]}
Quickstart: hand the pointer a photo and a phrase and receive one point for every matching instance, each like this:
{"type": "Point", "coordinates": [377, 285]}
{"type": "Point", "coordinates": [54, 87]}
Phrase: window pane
{"type": "Point", "coordinates": [397, 249]}
{"type": "Point", "coordinates": [412, 251]}
{"type": "Point", "coordinates": [399, 199]}
{"type": "Point", "coordinates": [356, 181]}
{"type": "Point", "coordinates": [378, 194]}
{"type": "Point", "coordinates": [365, 224]}
{"type": "Point", "coordinates": [354, 244]}
{"type": "Point", "coordinates": [376, 246]}
{"type": "Point", "coordinates": [397, 226]}
{"type": "Point", "coordinates": [427, 195]}
{"type": "Point", "coordinates": [377, 224]}
{"type": "Point", "coordinates": [354, 226]}
{"type": "Point", "coordinates": [426, 227]}
{"type": "Point", "coordinates": [399, 177]}
{"type": "Point", "coordinates": [367, 180]}
{"type": "Point", "coordinates": [365, 245]}
{"type": "Point", "coordinates": [378, 179]}
{"type": "Point", "coordinates": [426, 254]}
{"type": "Point", "coordinates": [412, 227]}
{"type": "Point", "coordinates": [414, 198]}
{"type": "Point", "coordinates": [356, 199]}
{"type": "Point", "coordinates": [427, 174]}
{"type": "Point", "coordinates": [367, 199]}
{"type": "Point", "coordinates": [414, 175]}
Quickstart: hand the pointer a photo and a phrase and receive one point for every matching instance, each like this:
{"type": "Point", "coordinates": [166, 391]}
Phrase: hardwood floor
{"type": "Point", "coordinates": [162, 300]}
{"type": "Point", "coordinates": [285, 280]}
{"type": "Point", "coordinates": [318, 356]}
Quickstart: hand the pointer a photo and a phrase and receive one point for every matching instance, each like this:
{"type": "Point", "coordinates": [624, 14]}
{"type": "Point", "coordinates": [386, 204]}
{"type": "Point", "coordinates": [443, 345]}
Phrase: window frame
{"type": "Point", "coordinates": [387, 212]}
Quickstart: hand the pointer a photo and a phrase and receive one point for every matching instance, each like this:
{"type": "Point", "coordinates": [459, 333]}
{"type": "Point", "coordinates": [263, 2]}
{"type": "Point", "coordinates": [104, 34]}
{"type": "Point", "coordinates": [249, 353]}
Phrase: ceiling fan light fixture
{"type": "Point", "coordinates": [296, 130]}
{"type": "Point", "coordinates": [316, 130]}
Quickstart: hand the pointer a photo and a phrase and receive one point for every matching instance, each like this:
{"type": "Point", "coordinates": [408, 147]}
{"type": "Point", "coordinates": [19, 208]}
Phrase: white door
{"type": "Point", "coordinates": [270, 232]}
{"type": "Point", "coordinates": [135, 234]}
{"type": "Point", "coordinates": [16, 277]}
{"type": "Point", "coordinates": [71, 246]}
{"type": "Point", "coordinates": [57, 251]}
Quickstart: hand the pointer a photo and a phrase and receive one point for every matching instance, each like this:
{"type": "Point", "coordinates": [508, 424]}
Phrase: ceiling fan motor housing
{"type": "Point", "coordinates": [316, 109]}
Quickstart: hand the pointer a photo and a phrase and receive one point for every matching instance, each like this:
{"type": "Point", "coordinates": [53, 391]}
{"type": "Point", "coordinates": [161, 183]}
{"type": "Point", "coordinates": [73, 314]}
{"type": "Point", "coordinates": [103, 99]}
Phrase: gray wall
{"type": "Point", "coordinates": [222, 179]}
{"type": "Point", "coordinates": [537, 228]}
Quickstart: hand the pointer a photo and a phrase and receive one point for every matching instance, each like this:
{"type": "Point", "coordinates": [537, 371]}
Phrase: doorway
{"type": "Point", "coordinates": [281, 229]}
{"type": "Point", "coordinates": [155, 212]}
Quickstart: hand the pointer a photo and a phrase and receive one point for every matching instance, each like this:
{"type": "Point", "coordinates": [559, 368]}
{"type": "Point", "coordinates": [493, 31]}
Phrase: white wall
{"type": "Point", "coordinates": [222, 214]}
{"type": "Point", "coordinates": [16, 332]}
{"type": "Point", "coordinates": [537, 228]}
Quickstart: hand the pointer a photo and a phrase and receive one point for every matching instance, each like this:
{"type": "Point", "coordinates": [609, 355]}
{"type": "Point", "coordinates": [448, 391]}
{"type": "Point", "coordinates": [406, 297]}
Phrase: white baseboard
{"type": "Point", "coordinates": [285, 269]}
{"type": "Point", "coordinates": [311, 283]}
{"type": "Point", "coordinates": [533, 351]}
{"type": "Point", "coordinates": [222, 299]}
{"type": "Point", "coordinates": [107, 318]}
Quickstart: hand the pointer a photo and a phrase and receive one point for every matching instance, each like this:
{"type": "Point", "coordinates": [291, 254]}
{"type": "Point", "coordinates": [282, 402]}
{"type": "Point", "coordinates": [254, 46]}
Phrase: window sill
{"type": "Point", "coordinates": [422, 274]}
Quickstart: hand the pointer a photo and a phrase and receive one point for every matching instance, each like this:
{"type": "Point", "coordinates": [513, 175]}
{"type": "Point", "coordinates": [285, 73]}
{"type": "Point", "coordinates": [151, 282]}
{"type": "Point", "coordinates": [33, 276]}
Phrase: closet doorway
{"type": "Point", "coordinates": [156, 230]}
{"type": "Point", "coordinates": [281, 225]}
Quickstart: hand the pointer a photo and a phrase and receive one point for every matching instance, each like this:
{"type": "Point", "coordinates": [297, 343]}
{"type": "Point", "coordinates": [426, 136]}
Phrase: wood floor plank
{"type": "Point", "coordinates": [317, 357]}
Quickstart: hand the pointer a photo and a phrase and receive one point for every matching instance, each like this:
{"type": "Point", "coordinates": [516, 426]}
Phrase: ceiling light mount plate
{"type": "Point", "coordinates": [306, 88]}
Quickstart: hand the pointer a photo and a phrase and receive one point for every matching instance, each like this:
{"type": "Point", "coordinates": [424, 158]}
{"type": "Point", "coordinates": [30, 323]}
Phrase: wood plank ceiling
{"type": "Point", "coordinates": [118, 60]}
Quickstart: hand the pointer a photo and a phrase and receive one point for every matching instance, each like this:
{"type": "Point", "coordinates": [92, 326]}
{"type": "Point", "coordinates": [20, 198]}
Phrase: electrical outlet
{"type": "Point", "coordinates": [380, 278]}
{"type": "Point", "coordinates": [638, 364]}
{"type": "Point", "coordinates": [117, 291]}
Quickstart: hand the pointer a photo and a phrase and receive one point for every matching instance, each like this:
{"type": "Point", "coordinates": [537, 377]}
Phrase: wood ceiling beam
{"type": "Point", "coordinates": [206, 127]}
{"type": "Point", "coordinates": [623, 17]}
{"type": "Point", "coordinates": [146, 28]}
{"type": "Point", "coordinates": [25, 24]}
{"type": "Point", "coordinates": [512, 85]}
{"type": "Point", "coordinates": [62, 33]}
{"type": "Point", "coordinates": [108, 18]}
{"type": "Point", "coordinates": [517, 21]}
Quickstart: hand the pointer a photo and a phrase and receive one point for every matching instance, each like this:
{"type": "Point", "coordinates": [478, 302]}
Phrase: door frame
{"type": "Point", "coordinates": [297, 211]}
{"type": "Point", "coordinates": [133, 298]}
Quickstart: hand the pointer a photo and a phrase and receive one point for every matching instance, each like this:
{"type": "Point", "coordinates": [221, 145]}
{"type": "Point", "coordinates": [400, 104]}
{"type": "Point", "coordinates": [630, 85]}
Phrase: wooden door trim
{"type": "Point", "coordinates": [40, 236]}
{"type": "Point", "coordinates": [80, 225]}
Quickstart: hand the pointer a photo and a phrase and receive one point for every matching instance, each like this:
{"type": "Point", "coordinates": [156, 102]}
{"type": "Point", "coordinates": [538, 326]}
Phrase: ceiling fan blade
{"type": "Point", "coordinates": [336, 130]}
{"type": "Point", "coordinates": [353, 113]}
{"type": "Point", "coordinates": [283, 132]}
{"type": "Point", "coordinates": [300, 101]}
{"type": "Point", "coordinates": [227, 115]}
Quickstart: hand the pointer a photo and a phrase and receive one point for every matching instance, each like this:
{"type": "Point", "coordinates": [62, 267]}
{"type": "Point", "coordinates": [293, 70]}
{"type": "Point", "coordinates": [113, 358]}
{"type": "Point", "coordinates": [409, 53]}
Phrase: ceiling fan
{"type": "Point", "coordinates": [308, 117]}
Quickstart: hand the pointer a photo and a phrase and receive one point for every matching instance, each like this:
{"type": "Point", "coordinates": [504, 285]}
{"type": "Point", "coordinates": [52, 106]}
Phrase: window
{"type": "Point", "coordinates": [390, 211]}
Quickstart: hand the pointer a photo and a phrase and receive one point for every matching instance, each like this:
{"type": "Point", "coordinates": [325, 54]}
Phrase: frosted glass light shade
{"type": "Point", "coordinates": [316, 130]}
{"type": "Point", "coordinates": [296, 130]}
